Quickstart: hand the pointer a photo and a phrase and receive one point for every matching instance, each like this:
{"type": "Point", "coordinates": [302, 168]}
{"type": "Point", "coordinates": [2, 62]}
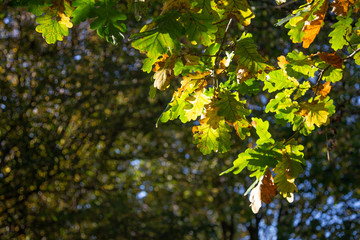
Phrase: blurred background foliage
{"type": "Point", "coordinates": [80, 157]}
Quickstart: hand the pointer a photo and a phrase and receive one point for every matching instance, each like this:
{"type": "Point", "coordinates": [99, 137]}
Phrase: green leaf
{"type": "Point", "coordinates": [210, 139]}
{"type": "Point", "coordinates": [287, 171]}
{"type": "Point", "coordinates": [249, 87]}
{"type": "Point", "coordinates": [316, 112]}
{"type": "Point", "coordinates": [178, 67]}
{"type": "Point", "coordinates": [278, 80]}
{"type": "Point", "coordinates": [196, 106]}
{"type": "Point", "coordinates": [242, 128]}
{"type": "Point", "coordinates": [296, 25]}
{"type": "Point", "coordinates": [251, 187]}
{"type": "Point", "coordinates": [148, 63]}
{"type": "Point", "coordinates": [83, 10]}
{"type": "Point", "coordinates": [333, 74]}
{"type": "Point", "coordinates": [106, 21]}
{"type": "Point", "coordinates": [51, 29]}
{"type": "Point", "coordinates": [248, 55]}
{"type": "Point", "coordinates": [300, 65]}
{"type": "Point", "coordinates": [200, 28]}
{"type": "Point", "coordinates": [341, 32]}
{"type": "Point", "coordinates": [230, 106]}
{"type": "Point", "coordinates": [155, 44]}
{"type": "Point", "coordinates": [262, 131]}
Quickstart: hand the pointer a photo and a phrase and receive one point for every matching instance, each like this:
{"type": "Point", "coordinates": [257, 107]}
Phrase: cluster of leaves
{"type": "Point", "coordinates": [189, 40]}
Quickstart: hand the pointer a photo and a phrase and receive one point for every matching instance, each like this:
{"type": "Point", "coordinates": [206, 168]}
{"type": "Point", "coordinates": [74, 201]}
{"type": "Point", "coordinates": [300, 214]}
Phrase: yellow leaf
{"type": "Point", "coordinates": [211, 116]}
{"type": "Point", "coordinates": [197, 101]}
{"type": "Point", "coordinates": [282, 62]}
{"type": "Point", "coordinates": [65, 20]}
{"type": "Point", "coordinates": [314, 113]}
{"type": "Point", "coordinates": [312, 28]}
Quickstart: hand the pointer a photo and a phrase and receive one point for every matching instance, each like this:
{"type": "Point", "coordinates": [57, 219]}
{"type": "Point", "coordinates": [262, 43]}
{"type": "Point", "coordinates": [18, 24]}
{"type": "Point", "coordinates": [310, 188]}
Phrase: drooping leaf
{"type": "Point", "coordinates": [255, 197]}
{"type": "Point", "coordinates": [312, 27]}
{"type": "Point", "coordinates": [162, 78]}
{"type": "Point", "coordinates": [267, 187]}
{"type": "Point", "coordinates": [287, 171]}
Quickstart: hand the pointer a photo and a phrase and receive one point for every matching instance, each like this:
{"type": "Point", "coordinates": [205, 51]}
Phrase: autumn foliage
{"type": "Point", "coordinates": [212, 75]}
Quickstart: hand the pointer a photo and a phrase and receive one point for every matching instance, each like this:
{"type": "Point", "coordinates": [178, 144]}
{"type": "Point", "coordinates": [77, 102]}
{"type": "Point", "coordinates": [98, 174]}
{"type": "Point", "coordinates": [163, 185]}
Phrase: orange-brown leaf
{"type": "Point", "coordinates": [312, 28]}
{"type": "Point", "coordinates": [268, 188]}
{"type": "Point", "coordinates": [222, 66]}
{"type": "Point", "coordinates": [325, 89]}
{"type": "Point", "coordinates": [160, 63]}
{"type": "Point", "coordinates": [332, 59]}
{"type": "Point", "coordinates": [341, 7]}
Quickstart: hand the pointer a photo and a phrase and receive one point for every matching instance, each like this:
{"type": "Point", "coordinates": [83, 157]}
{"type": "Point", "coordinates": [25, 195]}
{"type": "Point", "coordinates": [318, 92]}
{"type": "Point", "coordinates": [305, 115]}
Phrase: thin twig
{"type": "Point", "coordinates": [295, 133]}
{"type": "Point", "coordinates": [321, 74]}
{"type": "Point", "coordinates": [351, 55]}
{"type": "Point", "coordinates": [327, 148]}
{"type": "Point", "coordinates": [221, 45]}
{"type": "Point", "coordinates": [349, 43]}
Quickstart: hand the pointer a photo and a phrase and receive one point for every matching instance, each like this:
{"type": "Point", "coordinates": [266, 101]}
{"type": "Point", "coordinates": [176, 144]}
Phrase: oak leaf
{"type": "Point", "coordinates": [268, 188]}
{"type": "Point", "coordinates": [314, 113]}
{"type": "Point", "coordinates": [332, 59]}
{"type": "Point", "coordinates": [282, 62]}
{"type": "Point", "coordinates": [312, 28]}
{"type": "Point", "coordinates": [162, 78]}
{"type": "Point", "coordinates": [287, 171]}
{"type": "Point", "coordinates": [341, 7]}
{"type": "Point", "coordinates": [263, 192]}
{"type": "Point", "coordinates": [175, 4]}
{"type": "Point", "coordinates": [325, 89]}
{"type": "Point", "coordinates": [160, 63]}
